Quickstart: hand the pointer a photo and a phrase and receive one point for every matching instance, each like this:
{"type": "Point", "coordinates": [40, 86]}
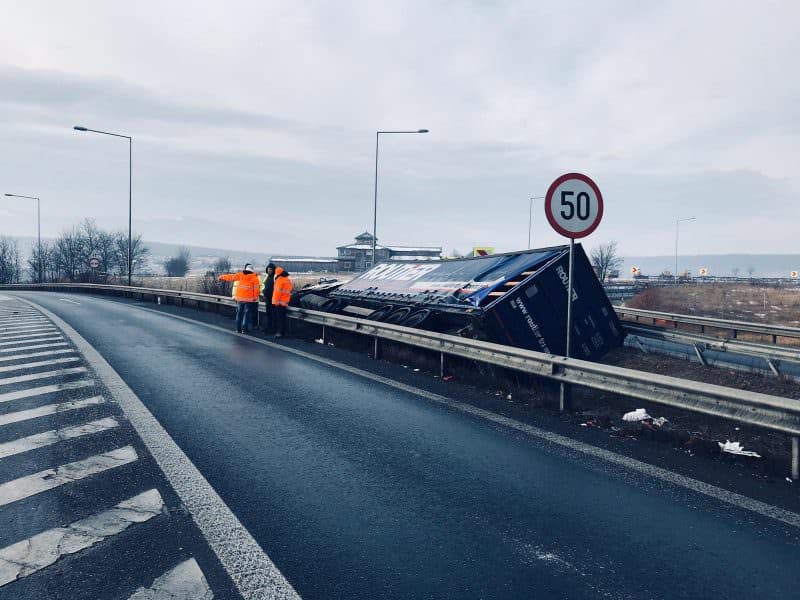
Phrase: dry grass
{"type": "Point", "coordinates": [210, 285]}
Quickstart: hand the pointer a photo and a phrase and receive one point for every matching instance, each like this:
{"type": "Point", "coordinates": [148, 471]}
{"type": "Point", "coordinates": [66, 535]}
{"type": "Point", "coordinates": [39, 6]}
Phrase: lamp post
{"type": "Point", "coordinates": [38, 228]}
{"type": "Point", "coordinates": [530, 218]}
{"type": "Point", "coordinates": [677, 226]}
{"type": "Point", "coordinates": [130, 189]}
{"type": "Point", "coordinates": [375, 205]}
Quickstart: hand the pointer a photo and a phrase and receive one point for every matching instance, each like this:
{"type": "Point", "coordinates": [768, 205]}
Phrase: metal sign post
{"type": "Point", "coordinates": [574, 208]}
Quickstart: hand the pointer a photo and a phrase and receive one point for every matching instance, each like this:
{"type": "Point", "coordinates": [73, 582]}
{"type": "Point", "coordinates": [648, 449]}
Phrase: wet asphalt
{"type": "Point", "coordinates": [360, 490]}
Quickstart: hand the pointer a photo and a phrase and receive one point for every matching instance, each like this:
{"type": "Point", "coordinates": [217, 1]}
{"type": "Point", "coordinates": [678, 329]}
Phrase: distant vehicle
{"type": "Point", "coordinates": [517, 299]}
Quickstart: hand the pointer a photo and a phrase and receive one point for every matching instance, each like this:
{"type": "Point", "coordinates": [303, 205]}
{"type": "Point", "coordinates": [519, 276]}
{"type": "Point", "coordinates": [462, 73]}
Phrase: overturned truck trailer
{"type": "Point", "coordinates": [518, 299]}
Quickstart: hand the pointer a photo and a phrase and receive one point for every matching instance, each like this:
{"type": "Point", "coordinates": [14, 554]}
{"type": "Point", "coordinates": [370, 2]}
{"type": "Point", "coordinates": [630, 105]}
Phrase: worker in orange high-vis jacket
{"type": "Point", "coordinates": [246, 290]}
{"type": "Point", "coordinates": [281, 294]}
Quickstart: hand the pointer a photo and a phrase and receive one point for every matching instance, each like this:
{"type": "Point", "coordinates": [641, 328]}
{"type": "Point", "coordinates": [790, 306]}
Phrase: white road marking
{"type": "Point", "coordinates": [68, 300]}
{"type": "Point", "coordinates": [35, 347]}
{"type": "Point", "coordinates": [49, 409]}
{"type": "Point", "coordinates": [40, 339]}
{"type": "Point", "coordinates": [184, 582]}
{"type": "Point", "coordinates": [12, 317]}
{"type": "Point", "coordinates": [731, 498]}
{"type": "Point", "coordinates": [54, 436]}
{"type": "Point", "coordinates": [42, 375]}
{"type": "Point", "coordinates": [29, 326]}
{"type": "Point", "coordinates": [45, 389]}
{"type": "Point", "coordinates": [30, 485]}
{"type": "Point", "coordinates": [26, 335]}
{"type": "Point", "coordinates": [34, 554]}
{"type": "Point", "coordinates": [41, 363]}
{"type": "Point", "coordinates": [254, 574]}
{"type": "Point", "coordinates": [27, 322]}
{"type": "Point", "coordinates": [36, 354]}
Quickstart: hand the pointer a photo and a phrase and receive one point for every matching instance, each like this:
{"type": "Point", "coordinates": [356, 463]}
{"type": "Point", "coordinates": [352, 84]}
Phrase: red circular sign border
{"type": "Point", "coordinates": [549, 213]}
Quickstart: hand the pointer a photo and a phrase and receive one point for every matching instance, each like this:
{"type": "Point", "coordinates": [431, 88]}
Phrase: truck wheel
{"type": "Point", "coordinates": [417, 318]}
{"type": "Point", "coordinates": [398, 316]}
{"type": "Point", "coordinates": [381, 313]}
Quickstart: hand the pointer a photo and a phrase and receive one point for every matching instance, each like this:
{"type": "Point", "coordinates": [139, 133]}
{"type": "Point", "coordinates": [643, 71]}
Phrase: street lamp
{"type": "Point", "coordinates": [38, 227]}
{"type": "Point", "coordinates": [677, 224]}
{"type": "Point", "coordinates": [130, 189]}
{"type": "Point", "coordinates": [375, 206]}
{"type": "Point", "coordinates": [530, 217]}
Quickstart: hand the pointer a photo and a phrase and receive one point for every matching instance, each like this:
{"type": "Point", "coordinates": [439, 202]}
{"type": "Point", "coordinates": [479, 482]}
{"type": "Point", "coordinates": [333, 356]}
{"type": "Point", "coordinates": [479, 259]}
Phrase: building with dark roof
{"type": "Point", "coordinates": [358, 256]}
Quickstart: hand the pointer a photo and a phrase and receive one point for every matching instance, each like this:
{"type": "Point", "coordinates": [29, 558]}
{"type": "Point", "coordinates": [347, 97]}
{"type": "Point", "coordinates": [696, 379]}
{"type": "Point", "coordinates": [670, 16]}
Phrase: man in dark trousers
{"type": "Point", "coordinates": [281, 296]}
{"type": "Point", "coordinates": [269, 312]}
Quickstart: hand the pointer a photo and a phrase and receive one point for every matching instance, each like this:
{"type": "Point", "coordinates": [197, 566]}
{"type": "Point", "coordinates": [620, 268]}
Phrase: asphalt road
{"type": "Point", "coordinates": [357, 489]}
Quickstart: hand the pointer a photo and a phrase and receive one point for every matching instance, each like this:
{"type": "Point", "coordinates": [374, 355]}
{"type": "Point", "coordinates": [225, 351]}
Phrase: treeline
{"type": "Point", "coordinates": [67, 257]}
{"type": "Point", "coordinates": [10, 261]}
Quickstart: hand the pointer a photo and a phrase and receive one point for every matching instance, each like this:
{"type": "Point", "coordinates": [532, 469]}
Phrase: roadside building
{"type": "Point", "coordinates": [307, 264]}
{"type": "Point", "coordinates": [358, 256]}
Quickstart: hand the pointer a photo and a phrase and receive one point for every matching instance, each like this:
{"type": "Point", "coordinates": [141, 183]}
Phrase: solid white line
{"type": "Point", "coordinates": [40, 339]}
{"type": "Point", "coordinates": [252, 571]}
{"type": "Point", "coordinates": [45, 389]}
{"type": "Point", "coordinates": [26, 335]}
{"type": "Point", "coordinates": [723, 495]}
{"type": "Point", "coordinates": [41, 363]}
{"type": "Point", "coordinates": [54, 436]}
{"type": "Point", "coordinates": [12, 324]}
{"type": "Point", "coordinates": [36, 347]}
{"type": "Point", "coordinates": [42, 481]}
{"type": "Point", "coordinates": [27, 325]}
{"type": "Point", "coordinates": [34, 554]}
{"type": "Point", "coordinates": [49, 409]}
{"type": "Point", "coordinates": [184, 582]}
{"type": "Point", "coordinates": [43, 375]}
{"type": "Point", "coordinates": [36, 354]}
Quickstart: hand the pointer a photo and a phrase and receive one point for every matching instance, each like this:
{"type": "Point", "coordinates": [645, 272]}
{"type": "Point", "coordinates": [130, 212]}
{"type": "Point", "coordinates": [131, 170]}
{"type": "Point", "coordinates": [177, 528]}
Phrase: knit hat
{"type": "Point", "coordinates": [270, 266]}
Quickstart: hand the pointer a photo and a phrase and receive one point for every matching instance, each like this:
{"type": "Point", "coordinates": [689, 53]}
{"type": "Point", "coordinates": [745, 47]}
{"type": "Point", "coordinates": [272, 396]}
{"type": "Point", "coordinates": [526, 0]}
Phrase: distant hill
{"type": "Point", "coordinates": [763, 265]}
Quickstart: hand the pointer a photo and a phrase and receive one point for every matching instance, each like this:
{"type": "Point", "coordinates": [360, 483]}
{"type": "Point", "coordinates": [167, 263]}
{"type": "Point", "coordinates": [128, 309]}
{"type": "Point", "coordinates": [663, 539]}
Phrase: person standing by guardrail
{"type": "Point", "coordinates": [280, 299]}
{"type": "Point", "coordinates": [245, 293]}
{"type": "Point", "coordinates": [269, 288]}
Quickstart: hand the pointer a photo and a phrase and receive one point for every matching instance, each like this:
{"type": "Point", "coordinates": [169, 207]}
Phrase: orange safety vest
{"type": "Point", "coordinates": [247, 288]}
{"type": "Point", "coordinates": [282, 292]}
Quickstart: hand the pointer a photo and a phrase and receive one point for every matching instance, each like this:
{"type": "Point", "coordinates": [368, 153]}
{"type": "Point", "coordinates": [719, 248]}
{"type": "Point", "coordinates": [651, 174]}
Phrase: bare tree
{"type": "Point", "coordinates": [10, 262]}
{"type": "Point", "coordinates": [222, 265]}
{"type": "Point", "coordinates": [34, 263]}
{"type": "Point", "coordinates": [735, 271]}
{"type": "Point", "coordinates": [605, 259]}
{"type": "Point", "coordinates": [751, 271]}
{"type": "Point", "coordinates": [178, 266]}
{"type": "Point", "coordinates": [139, 252]}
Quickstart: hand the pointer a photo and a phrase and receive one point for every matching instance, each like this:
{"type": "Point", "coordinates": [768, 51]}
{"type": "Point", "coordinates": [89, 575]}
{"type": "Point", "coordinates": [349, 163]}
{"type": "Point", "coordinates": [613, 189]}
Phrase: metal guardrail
{"type": "Point", "coordinates": [761, 410]}
{"type": "Point", "coordinates": [775, 331]}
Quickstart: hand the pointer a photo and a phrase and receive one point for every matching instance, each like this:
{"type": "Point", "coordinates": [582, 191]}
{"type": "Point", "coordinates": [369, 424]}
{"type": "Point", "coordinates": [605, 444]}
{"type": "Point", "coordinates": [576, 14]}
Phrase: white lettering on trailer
{"type": "Point", "coordinates": [395, 272]}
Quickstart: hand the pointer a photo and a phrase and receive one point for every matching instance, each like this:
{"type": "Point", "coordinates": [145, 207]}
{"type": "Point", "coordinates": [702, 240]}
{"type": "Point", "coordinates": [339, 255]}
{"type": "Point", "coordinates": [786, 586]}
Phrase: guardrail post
{"type": "Point", "coordinates": [734, 334]}
{"type": "Point", "coordinates": [562, 397]}
{"type": "Point", "coordinates": [375, 348]}
{"type": "Point", "coordinates": [323, 335]}
{"type": "Point", "coordinates": [774, 339]}
{"type": "Point", "coordinates": [795, 458]}
{"type": "Point", "coordinates": [441, 364]}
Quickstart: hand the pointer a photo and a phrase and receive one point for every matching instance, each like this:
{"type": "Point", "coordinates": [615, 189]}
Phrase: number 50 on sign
{"type": "Point", "coordinates": [574, 205]}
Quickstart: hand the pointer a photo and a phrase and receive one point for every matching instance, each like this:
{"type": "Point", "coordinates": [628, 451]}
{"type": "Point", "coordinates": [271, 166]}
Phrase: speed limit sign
{"type": "Point", "coordinates": [574, 205]}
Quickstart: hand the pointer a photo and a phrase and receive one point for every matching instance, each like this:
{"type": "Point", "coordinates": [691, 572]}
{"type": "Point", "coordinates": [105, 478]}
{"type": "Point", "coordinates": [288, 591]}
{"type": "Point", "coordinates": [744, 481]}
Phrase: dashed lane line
{"type": "Point", "coordinates": [721, 494]}
{"type": "Point", "coordinates": [46, 389]}
{"type": "Point", "coordinates": [47, 339]}
{"type": "Point", "coordinates": [30, 485]}
{"type": "Point", "coordinates": [42, 375]}
{"type": "Point", "coordinates": [41, 363]}
{"type": "Point", "coordinates": [34, 347]}
{"type": "Point", "coordinates": [49, 409]}
{"type": "Point", "coordinates": [54, 436]}
{"type": "Point", "coordinates": [42, 550]}
{"type": "Point", "coordinates": [253, 573]}
{"type": "Point", "coordinates": [184, 582]}
{"type": "Point", "coordinates": [36, 355]}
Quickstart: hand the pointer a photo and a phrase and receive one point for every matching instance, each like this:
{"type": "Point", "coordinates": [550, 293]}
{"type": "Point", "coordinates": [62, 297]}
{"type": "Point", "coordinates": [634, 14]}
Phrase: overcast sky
{"type": "Point", "coordinates": [254, 122]}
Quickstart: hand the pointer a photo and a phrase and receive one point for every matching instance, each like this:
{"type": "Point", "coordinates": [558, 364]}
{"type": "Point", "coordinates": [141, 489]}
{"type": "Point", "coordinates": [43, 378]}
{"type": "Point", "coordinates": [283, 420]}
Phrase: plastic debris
{"type": "Point", "coordinates": [416, 370]}
{"type": "Point", "coordinates": [508, 397]}
{"type": "Point", "coordinates": [320, 341]}
{"type": "Point", "coordinates": [639, 414]}
{"type": "Point", "coordinates": [447, 378]}
{"type": "Point", "coordinates": [789, 479]}
{"type": "Point", "coordinates": [736, 448]}
{"type": "Point", "coordinates": [659, 422]}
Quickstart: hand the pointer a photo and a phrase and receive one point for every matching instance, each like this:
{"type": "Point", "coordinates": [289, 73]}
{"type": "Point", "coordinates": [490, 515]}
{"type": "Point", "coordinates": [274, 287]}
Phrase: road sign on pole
{"type": "Point", "coordinates": [574, 208]}
{"type": "Point", "coordinates": [94, 263]}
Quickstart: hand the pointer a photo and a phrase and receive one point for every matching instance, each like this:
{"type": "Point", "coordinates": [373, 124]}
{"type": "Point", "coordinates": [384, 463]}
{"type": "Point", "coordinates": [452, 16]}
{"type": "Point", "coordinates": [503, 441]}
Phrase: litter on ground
{"type": "Point", "coordinates": [639, 414]}
{"type": "Point", "coordinates": [736, 448]}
